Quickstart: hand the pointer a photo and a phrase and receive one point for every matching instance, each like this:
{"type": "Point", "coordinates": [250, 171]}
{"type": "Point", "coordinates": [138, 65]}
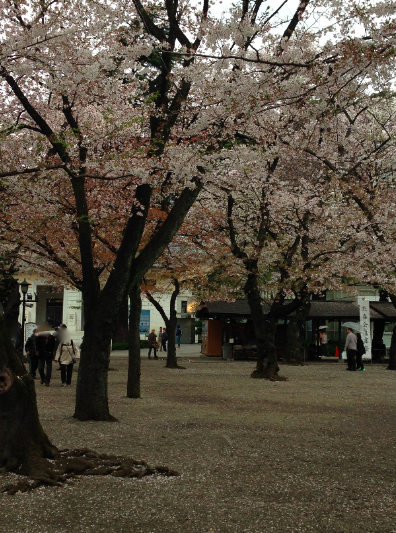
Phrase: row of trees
{"type": "Point", "coordinates": [256, 150]}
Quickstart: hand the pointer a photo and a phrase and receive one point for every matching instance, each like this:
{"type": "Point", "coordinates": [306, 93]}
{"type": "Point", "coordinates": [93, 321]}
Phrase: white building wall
{"type": "Point", "coordinates": [156, 320]}
{"type": "Point", "coordinates": [72, 309]}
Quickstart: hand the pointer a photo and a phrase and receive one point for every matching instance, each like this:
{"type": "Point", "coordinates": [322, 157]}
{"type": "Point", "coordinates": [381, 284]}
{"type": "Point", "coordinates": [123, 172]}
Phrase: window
{"type": "Point", "coordinates": [184, 306]}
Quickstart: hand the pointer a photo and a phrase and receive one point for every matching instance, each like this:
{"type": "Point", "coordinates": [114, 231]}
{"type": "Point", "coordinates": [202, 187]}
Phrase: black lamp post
{"type": "Point", "coordinates": [24, 288]}
{"type": "Point", "coordinates": [26, 302]}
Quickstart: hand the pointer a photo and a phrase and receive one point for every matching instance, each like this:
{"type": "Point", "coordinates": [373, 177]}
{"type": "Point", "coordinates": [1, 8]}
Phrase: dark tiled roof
{"type": "Point", "coordinates": [337, 309]}
{"type": "Point", "coordinates": [239, 308]}
{"type": "Point", "coordinates": [325, 310]}
{"type": "Point", "coordinates": [383, 309]}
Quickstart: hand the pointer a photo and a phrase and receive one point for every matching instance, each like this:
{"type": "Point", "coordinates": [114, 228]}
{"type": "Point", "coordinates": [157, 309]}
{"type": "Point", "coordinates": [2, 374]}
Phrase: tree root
{"type": "Point", "coordinates": [70, 464]}
{"type": "Point", "coordinates": [175, 366]}
{"type": "Point", "coordinates": [271, 376]}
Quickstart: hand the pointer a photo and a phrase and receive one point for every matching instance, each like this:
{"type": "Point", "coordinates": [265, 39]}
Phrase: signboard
{"type": "Point", "coordinates": [365, 332]}
{"type": "Point", "coordinates": [144, 324]}
{"type": "Point", "coordinates": [29, 327]}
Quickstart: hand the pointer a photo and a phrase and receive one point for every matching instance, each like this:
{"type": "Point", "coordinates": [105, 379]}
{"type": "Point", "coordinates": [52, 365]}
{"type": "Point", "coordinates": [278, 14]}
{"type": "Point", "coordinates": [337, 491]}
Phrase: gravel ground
{"type": "Point", "coordinates": [316, 453]}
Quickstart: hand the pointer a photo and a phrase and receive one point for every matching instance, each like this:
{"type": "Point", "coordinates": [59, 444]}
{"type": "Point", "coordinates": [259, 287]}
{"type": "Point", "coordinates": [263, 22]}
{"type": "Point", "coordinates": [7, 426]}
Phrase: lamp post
{"type": "Point", "coordinates": [24, 288]}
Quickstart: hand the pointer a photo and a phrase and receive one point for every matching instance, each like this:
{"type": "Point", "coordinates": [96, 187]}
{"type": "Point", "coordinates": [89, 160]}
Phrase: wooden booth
{"type": "Point", "coordinates": [212, 338]}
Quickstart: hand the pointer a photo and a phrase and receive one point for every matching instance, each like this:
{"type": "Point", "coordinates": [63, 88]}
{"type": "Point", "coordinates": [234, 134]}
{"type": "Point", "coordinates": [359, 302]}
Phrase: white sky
{"type": "Point", "coordinates": [288, 10]}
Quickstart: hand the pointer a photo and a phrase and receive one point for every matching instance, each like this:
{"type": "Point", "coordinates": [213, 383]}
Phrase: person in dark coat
{"type": "Point", "coordinates": [31, 354]}
{"type": "Point", "coordinates": [45, 344]}
{"type": "Point", "coordinates": [164, 339]}
{"type": "Point", "coordinates": [360, 350]}
{"type": "Point", "coordinates": [152, 339]}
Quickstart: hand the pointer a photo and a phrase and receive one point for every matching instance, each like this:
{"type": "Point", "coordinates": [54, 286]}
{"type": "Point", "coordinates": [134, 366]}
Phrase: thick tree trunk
{"type": "Point", "coordinates": [392, 351]}
{"type": "Point", "coordinates": [101, 313]}
{"type": "Point", "coordinates": [295, 334]}
{"type": "Point", "coordinates": [26, 450]}
{"type": "Point", "coordinates": [133, 385]}
{"type": "Point", "coordinates": [23, 443]}
{"type": "Point", "coordinates": [91, 394]}
{"type": "Point", "coordinates": [121, 334]}
{"type": "Point", "coordinates": [378, 350]}
{"type": "Point", "coordinates": [171, 359]}
{"type": "Point", "coordinates": [265, 328]}
{"type": "Point", "coordinates": [10, 299]}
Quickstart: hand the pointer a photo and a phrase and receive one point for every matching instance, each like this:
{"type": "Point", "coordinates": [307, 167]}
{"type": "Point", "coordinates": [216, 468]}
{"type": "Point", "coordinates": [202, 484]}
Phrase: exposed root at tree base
{"type": "Point", "coordinates": [175, 366]}
{"type": "Point", "coordinates": [109, 418]}
{"type": "Point", "coordinates": [266, 375]}
{"type": "Point", "coordinates": [71, 464]}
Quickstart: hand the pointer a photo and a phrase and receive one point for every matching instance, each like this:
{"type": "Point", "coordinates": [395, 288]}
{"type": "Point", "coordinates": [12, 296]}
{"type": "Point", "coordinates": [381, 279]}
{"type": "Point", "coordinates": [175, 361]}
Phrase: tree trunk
{"type": "Point", "coordinates": [378, 350]}
{"type": "Point", "coordinates": [23, 443]}
{"type": "Point", "coordinates": [265, 328]}
{"type": "Point", "coordinates": [295, 333]}
{"type": "Point", "coordinates": [26, 450]}
{"type": "Point", "coordinates": [171, 359]}
{"type": "Point", "coordinates": [133, 385]}
{"type": "Point", "coordinates": [121, 334]}
{"type": "Point", "coordinates": [10, 299]}
{"type": "Point", "coordinates": [91, 394]}
{"type": "Point", "coordinates": [101, 313]}
{"type": "Point", "coordinates": [171, 323]}
{"type": "Point", "coordinates": [392, 351]}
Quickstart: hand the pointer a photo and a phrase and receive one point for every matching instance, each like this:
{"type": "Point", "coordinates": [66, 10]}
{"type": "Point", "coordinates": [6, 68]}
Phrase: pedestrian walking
{"type": "Point", "coordinates": [45, 343]}
{"type": "Point", "coordinates": [323, 341]}
{"type": "Point", "coordinates": [164, 339]}
{"type": "Point", "coordinates": [360, 351]}
{"type": "Point", "coordinates": [179, 333]}
{"type": "Point", "coordinates": [350, 348]}
{"type": "Point", "coordinates": [152, 339]}
{"type": "Point", "coordinates": [31, 354]}
{"type": "Point", "coordinates": [59, 334]}
{"type": "Point", "coordinates": [160, 339]}
{"type": "Point", "coordinates": [67, 355]}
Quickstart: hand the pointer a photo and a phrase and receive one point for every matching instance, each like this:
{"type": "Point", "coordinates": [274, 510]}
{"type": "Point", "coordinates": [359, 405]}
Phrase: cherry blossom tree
{"type": "Point", "coordinates": [123, 92]}
{"type": "Point", "coordinates": [70, 109]}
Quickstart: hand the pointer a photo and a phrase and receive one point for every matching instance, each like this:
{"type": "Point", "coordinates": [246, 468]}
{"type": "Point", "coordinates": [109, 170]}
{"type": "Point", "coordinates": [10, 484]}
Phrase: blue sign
{"type": "Point", "coordinates": [144, 324]}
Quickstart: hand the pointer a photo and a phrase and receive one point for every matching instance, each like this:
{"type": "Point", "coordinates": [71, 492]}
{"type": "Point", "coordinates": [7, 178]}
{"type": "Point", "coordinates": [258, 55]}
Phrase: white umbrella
{"type": "Point", "coordinates": [352, 325]}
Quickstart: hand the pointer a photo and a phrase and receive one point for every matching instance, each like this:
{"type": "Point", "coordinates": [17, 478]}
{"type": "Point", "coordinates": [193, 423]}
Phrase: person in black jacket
{"type": "Point", "coordinates": [360, 350]}
{"type": "Point", "coordinates": [45, 344]}
{"type": "Point", "coordinates": [31, 354]}
{"type": "Point", "coordinates": [164, 338]}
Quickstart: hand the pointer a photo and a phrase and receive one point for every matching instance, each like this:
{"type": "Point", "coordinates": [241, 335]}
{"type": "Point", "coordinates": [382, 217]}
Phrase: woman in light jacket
{"type": "Point", "coordinates": [67, 353]}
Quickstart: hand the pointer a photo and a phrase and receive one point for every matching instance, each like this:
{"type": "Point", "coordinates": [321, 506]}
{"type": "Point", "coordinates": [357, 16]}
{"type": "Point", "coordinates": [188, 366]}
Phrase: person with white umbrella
{"type": "Point", "coordinates": [323, 341]}
{"type": "Point", "coordinates": [350, 348]}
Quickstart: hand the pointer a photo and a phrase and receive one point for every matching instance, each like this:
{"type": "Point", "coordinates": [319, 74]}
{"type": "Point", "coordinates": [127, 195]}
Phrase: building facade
{"type": "Point", "coordinates": [62, 305]}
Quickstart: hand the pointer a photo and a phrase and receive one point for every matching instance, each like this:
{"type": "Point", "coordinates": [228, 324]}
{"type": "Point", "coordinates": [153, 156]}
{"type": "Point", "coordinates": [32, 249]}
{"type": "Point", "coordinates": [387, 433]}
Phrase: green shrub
{"type": "Point", "coordinates": [125, 345]}
{"type": "Point", "coordinates": [120, 346]}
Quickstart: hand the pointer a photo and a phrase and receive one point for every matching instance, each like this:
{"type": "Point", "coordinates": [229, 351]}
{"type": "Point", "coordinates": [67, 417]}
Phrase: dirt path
{"type": "Point", "coordinates": [316, 453]}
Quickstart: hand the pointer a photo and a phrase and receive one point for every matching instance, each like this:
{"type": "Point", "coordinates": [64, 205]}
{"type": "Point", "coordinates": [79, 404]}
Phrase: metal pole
{"type": "Point", "coordinates": [23, 321]}
{"type": "Point", "coordinates": [339, 342]}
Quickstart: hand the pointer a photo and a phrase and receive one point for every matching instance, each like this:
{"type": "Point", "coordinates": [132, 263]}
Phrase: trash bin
{"type": "Point", "coordinates": [226, 350]}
